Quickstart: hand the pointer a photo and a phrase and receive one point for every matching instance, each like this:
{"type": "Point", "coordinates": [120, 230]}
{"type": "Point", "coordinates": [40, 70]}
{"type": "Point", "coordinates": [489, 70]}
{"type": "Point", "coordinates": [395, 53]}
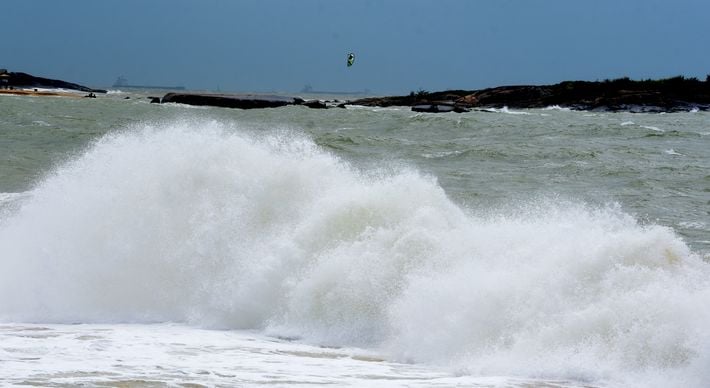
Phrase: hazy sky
{"type": "Point", "coordinates": [400, 45]}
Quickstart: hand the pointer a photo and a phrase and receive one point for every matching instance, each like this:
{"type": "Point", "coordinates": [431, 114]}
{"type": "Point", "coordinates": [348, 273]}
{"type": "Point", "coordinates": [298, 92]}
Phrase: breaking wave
{"type": "Point", "coordinates": [212, 225]}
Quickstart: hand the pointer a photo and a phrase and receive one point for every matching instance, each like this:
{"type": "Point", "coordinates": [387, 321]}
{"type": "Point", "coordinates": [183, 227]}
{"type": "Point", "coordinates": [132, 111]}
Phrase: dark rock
{"type": "Point", "coordinates": [315, 104]}
{"type": "Point", "coordinates": [439, 108]}
{"type": "Point", "coordinates": [24, 80]}
{"type": "Point", "coordinates": [154, 100]}
{"type": "Point", "coordinates": [241, 101]}
{"type": "Point", "coordinates": [667, 95]}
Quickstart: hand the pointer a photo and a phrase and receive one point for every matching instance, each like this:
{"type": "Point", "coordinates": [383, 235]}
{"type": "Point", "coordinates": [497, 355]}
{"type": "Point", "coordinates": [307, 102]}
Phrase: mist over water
{"type": "Point", "coordinates": [210, 224]}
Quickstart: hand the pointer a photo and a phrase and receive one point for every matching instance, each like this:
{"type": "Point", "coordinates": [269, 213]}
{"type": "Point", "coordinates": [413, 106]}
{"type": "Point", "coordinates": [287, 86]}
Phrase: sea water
{"type": "Point", "coordinates": [170, 245]}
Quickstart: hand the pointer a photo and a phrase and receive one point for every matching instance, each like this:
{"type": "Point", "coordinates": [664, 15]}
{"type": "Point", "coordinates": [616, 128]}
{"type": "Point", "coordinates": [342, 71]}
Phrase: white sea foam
{"type": "Point", "coordinates": [506, 111]}
{"type": "Point", "coordinates": [169, 105]}
{"type": "Point", "coordinates": [177, 355]}
{"type": "Point", "coordinates": [673, 152]}
{"type": "Point", "coordinates": [205, 224]}
{"type": "Point", "coordinates": [694, 225]}
{"type": "Point", "coordinates": [9, 200]}
{"type": "Point", "coordinates": [7, 197]}
{"type": "Point", "coordinates": [625, 123]}
{"type": "Point", "coordinates": [442, 154]}
{"type": "Point", "coordinates": [349, 106]}
{"type": "Point", "coordinates": [557, 107]}
{"type": "Point", "coordinates": [652, 128]}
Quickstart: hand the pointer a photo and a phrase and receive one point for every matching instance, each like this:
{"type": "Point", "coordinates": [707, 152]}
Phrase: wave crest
{"type": "Point", "coordinates": [208, 224]}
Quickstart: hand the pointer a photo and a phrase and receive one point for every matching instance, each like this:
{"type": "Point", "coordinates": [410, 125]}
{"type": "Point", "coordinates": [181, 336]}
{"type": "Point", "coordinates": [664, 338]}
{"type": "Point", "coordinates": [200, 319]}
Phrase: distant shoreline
{"type": "Point", "coordinates": [654, 96]}
{"type": "Point", "coordinates": [12, 81]}
{"type": "Point", "coordinates": [674, 94]}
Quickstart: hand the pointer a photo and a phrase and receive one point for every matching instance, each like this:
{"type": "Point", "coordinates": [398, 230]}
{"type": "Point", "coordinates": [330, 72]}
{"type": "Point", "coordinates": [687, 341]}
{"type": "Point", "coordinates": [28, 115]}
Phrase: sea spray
{"type": "Point", "coordinates": [216, 226]}
{"type": "Point", "coordinates": [589, 291]}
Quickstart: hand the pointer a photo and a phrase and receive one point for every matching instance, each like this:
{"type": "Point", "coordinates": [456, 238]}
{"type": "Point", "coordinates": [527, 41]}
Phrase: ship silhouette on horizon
{"type": "Point", "coordinates": [122, 82]}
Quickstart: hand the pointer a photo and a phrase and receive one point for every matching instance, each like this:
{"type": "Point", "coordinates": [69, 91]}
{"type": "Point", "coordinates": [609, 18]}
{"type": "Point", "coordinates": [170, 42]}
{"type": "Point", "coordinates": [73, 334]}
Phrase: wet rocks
{"type": "Point", "coordinates": [241, 101]}
{"type": "Point", "coordinates": [666, 95]}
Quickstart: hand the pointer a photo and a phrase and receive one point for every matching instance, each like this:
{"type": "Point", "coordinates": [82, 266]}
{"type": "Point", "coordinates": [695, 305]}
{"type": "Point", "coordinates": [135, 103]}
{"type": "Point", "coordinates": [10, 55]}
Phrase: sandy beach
{"type": "Point", "coordinates": [25, 92]}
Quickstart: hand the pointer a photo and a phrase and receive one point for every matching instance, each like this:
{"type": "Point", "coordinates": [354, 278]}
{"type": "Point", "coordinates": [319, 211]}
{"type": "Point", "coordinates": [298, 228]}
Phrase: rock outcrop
{"type": "Point", "coordinates": [440, 107]}
{"type": "Point", "coordinates": [24, 80]}
{"type": "Point", "coordinates": [667, 95]}
{"type": "Point", "coordinates": [241, 101]}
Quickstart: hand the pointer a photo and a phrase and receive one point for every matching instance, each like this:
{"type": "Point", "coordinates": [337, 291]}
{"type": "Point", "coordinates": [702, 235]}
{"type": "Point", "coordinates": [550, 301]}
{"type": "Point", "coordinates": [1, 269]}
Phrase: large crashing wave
{"type": "Point", "coordinates": [212, 226]}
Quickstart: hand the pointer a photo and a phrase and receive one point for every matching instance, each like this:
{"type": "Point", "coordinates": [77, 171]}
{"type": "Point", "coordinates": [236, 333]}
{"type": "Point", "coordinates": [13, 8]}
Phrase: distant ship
{"type": "Point", "coordinates": [122, 82]}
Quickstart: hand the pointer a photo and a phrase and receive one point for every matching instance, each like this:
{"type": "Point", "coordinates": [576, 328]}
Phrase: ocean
{"type": "Point", "coordinates": [169, 245]}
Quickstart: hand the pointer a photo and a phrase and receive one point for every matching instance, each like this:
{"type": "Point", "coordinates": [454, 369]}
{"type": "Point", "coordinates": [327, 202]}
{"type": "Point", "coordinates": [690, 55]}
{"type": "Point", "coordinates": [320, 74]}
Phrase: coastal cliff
{"type": "Point", "coordinates": [666, 95]}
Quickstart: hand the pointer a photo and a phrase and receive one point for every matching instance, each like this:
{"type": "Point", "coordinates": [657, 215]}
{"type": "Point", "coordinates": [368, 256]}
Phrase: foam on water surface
{"type": "Point", "coordinates": [173, 355]}
{"type": "Point", "coordinates": [214, 226]}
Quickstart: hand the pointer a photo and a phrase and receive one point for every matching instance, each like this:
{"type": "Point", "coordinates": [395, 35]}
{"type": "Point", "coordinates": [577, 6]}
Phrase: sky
{"type": "Point", "coordinates": [400, 45]}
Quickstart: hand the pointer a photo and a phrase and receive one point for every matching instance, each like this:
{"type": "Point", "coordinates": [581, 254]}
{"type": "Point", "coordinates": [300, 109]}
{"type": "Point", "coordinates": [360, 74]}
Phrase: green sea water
{"type": "Point", "coordinates": [162, 244]}
{"type": "Point", "coordinates": [654, 166]}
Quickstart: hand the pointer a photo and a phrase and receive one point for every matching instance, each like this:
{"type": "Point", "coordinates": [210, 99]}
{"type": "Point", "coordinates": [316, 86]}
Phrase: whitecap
{"type": "Point", "coordinates": [442, 154]}
{"type": "Point", "coordinates": [652, 128]}
{"type": "Point", "coordinates": [9, 197]}
{"type": "Point", "coordinates": [557, 107]}
{"type": "Point", "coordinates": [505, 110]}
{"type": "Point", "coordinates": [171, 105]}
{"type": "Point", "coordinates": [693, 224]}
{"type": "Point", "coordinates": [210, 225]}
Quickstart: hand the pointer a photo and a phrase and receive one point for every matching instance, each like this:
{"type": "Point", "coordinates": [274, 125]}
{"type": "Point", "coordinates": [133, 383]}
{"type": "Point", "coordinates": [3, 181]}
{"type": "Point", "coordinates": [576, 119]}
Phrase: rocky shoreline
{"type": "Point", "coordinates": [666, 95]}
{"type": "Point", "coordinates": [19, 80]}
{"type": "Point", "coordinates": [653, 96]}
{"type": "Point", "coordinates": [623, 94]}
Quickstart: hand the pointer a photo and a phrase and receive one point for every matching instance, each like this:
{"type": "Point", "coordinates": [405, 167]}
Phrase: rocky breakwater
{"type": "Point", "coordinates": [624, 94]}
{"type": "Point", "coordinates": [241, 101]}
